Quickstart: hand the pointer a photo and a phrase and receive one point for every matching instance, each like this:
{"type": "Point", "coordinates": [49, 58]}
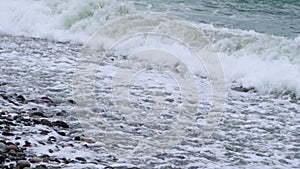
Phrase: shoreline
{"type": "Point", "coordinates": [257, 130]}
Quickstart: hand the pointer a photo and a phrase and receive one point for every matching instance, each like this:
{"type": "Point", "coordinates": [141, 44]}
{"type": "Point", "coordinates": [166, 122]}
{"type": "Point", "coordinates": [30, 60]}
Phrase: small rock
{"type": "Point", "coordinates": [52, 139]}
{"type": "Point", "coordinates": [36, 160]}
{"type": "Point", "coordinates": [35, 121]}
{"type": "Point", "coordinates": [2, 83]}
{"type": "Point", "coordinates": [61, 124]}
{"type": "Point", "coordinates": [108, 167]}
{"type": "Point", "coordinates": [44, 132]}
{"type": "Point", "coordinates": [54, 159]}
{"type": "Point", "coordinates": [27, 144]}
{"type": "Point", "coordinates": [47, 100]}
{"type": "Point", "coordinates": [3, 147]}
{"type": "Point", "coordinates": [66, 161]}
{"type": "Point", "coordinates": [21, 99]}
{"type": "Point", "coordinates": [46, 122]}
{"type": "Point", "coordinates": [243, 89]}
{"type": "Point", "coordinates": [12, 147]}
{"type": "Point", "coordinates": [4, 133]}
{"type": "Point", "coordinates": [45, 158]}
{"type": "Point", "coordinates": [80, 159]}
{"type": "Point", "coordinates": [41, 167]}
{"type": "Point", "coordinates": [21, 164]}
{"type": "Point", "coordinates": [2, 158]}
{"type": "Point", "coordinates": [77, 138]}
{"type": "Point", "coordinates": [170, 100]}
{"type": "Point", "coordinates": [71, 101]}
{"type": "Point", "coordinates": [87, 140]}
{"type": "Point", "coordinates": [39, 114]}
{"type": "Point", "coordinates": [4, 96]}
{"type": "Point", "coordinates": [61, 133]}
{"type": "Point", "coordinates": [12, 152]}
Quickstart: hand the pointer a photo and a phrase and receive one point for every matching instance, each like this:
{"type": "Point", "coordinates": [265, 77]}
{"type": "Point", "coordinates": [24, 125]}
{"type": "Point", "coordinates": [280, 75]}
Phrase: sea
{"type": "Point", "coordinates": [257, 44]}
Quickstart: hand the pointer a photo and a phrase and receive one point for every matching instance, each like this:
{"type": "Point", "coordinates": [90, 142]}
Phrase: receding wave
{"type": "Point", "coordinates": [250, 59]}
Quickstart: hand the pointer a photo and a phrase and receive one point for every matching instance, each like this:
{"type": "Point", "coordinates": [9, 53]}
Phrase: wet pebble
{"type": "Point", "coordinates": [4, 133]}
{"type": "Point", "coordinates": [12, 147]}
{"type": "Point", "coordinates": [61, 124]}
{"type": "Point", "coordinates": [41, 167]}
{"type": "Point", "coordinates": [27, 144]}
{"type": "Point", "coordinates": [47, 100]}
{"type": "Point", "coordinates": [80, 159]}
{"type": "Point", "coordinates": [12, 152]}
{"type": "Point", "coordinates": [3, 147]}
{"type": "Point", "coordinates": [44, 132]}
{"type": "Point", "coordinates": [52, 139]}
{"type": "Point", "coordinates": [2, 158]}
{"type": "Point", "coordinates": [77, 138]}
{"type": "Point", "coordinates": [243, 89]}
{"type": "Point", "coordinates": [61, 133]}
{"type": "Point", "coordinates": [46, 122]}
{"type": "Point", "coordinates": [108, 167]}
{"type": "Point", "coordinates": [36, 160]}
{"type": "Point", "coordinates": [21, 99]}
{"type": "Point", "coordinates": [38, 114]}
{"type": "Point", "coordinates": [71, 101]}
{"type": "Point", "coordinates": [22, 164]}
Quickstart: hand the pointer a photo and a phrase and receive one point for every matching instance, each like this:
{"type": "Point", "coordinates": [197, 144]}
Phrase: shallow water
{"type": "Point", "coordinates": [258, 45]}
{"type": "Point", "coordinates": [256, 131]}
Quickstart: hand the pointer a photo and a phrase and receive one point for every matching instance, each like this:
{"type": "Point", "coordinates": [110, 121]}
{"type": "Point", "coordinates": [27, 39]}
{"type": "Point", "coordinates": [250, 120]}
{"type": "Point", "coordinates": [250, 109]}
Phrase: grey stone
{"type": "Point", "coordinates": [22, 164]}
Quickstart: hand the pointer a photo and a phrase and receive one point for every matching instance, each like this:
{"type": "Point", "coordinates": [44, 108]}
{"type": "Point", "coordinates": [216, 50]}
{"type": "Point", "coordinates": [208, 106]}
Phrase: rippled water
{"type": "Point", "coordinates": [257, 131]}
{"type": "Point", "coordinates": [277, 17]}
{"type": "Point", "coordinates": [259, 127]}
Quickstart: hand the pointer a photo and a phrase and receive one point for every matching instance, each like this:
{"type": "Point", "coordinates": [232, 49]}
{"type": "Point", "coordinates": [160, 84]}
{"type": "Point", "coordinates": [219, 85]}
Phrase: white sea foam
{"type": "Point", "coordinates": [269, 63]}
{"type": "Point", "coordinates": [58, 20]}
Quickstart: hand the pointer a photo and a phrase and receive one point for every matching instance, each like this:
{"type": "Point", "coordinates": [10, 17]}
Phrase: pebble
{"type": "Point", "coordinates": [52, 139]}
{"type": "Point", "coordinates": [12, 147]}
{"type": "Point", "coordinates": [2, 158]}
{"type": "Point", "coordinates": [170, 100]}
{"type": "Point", "coordinates": [12, 152]}
{"type": "Point", "coordinates": [61, 124]}
{"type": "Point", "coordinates": [80, 159]}
{"type": "Point", "coordinates": [243, 89]}
{"type": "Point", "coordinates": [77, 138]}
{"type": "Point", "coordinates": [66, 161]}
{"type": "Point", "coordinates": [27, 144]}
{"type": "Point", "coordinates": [44, 132]}
{"type": "Point", "coordinates": [22, 164]}
{"type": "Point", "coordinates": [4, 133]}
{"type": "Point", "coordinates": [71, 101]}
{"type": "Point", "coordinates": [46, 122]}
{"type": "Point", "coordinates": [36, 160]}
{"type": "Point", "coordinates": [39, 114]}
{"type": "Point", "coordinates": [41, 167]}
{"type": "Point", "coordinates": [3, 147]}
{"type": "Point", "coordinates": [47, 100]}
{"type": "Point", "coordinates": [61, 133]}
{"type": "Point", "coordinates": [108, 167]}
{"type": "Point", "coordinates": [21, 99]}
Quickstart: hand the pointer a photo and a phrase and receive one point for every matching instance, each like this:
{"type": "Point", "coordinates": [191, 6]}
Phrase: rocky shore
{"type": "Point", "coordinates": [39, 128]}
{"type": "Point", "coordinates": [33, 139]}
